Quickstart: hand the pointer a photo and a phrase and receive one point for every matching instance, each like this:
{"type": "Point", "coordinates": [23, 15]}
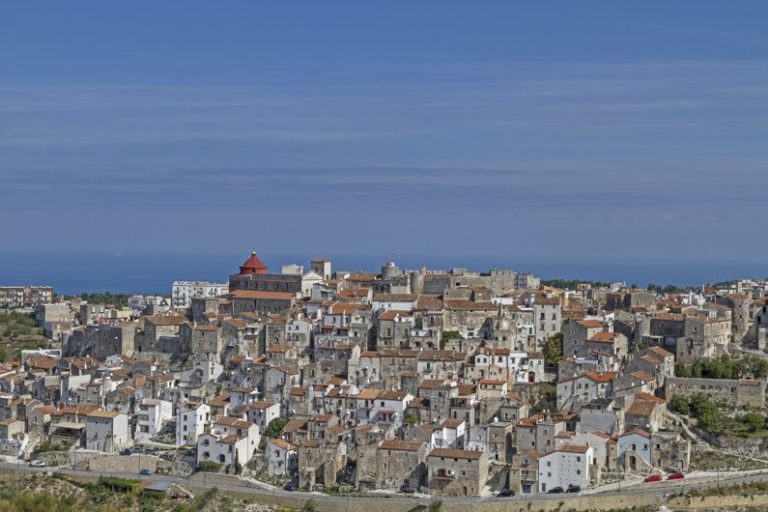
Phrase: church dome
{"type": "Point", "coordinates": [253, 265]}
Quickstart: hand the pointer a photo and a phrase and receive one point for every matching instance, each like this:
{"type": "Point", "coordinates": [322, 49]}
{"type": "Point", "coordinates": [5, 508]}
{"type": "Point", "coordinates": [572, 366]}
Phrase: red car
{"type": "Point", "coordinates": [653, 478]}
{"type": "Point", "coordinates": [676, 476]}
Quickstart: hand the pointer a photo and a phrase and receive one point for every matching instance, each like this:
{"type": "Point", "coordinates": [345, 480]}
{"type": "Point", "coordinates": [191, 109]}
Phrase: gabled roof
{"type": "Point", "coordinates": [452, 453]}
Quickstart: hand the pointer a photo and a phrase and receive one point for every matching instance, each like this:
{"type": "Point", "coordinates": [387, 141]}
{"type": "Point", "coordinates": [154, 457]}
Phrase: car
{"type": "Point", "coordinates": [506, 493]}
{"type": "Point", "coordinates": [37, 464]}
{"type": "Point", "coordinates": [407, 490]}
{"type": "Point", "coordinates": [653, 478]}
{"type": "Point", "coordinates": [145, 472]}
{"type": "Point", "coordinates": [126, 451]}
{"type": "Point", "coordinates": [573, 488]}
{"type": "Point", "coordinates": [291, 486]}
{"type": "Point", "coordinates": [678, 475]}
{"type": "Point", "coordinates": [555, 490]}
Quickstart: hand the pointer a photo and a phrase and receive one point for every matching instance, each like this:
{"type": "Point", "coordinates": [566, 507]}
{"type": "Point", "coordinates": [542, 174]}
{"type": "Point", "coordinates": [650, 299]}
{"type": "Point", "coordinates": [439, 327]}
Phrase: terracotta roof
{"type": "Point", "coordinates": [601, 377]}
{"type": "Point", "coordinates": [392, 395]}
{"type": "Point", "coordinates": [253, 265]}
{"type": "Point", "coordinates": [432, 384]}
{"type": "Point", "coordinates": [468, 305]}
{"type": "Point", "coordinates": [229, 421]}
{"type": "Point", "coordinates": [280, 443]}
{"type": "Point", "coordinates": [591, 324]}
{"type": "Point", "coordinates": [637, 431]}
{"type": "Point", "coordinates": [641, 408]}
{"type": "Point", "coordinates": [103, 414]}
{"type": "Point", "coordinates": [392, 314]}
{"type": "Point", "coordinates": [604, 337]}
{"type": "Point", "coordinates": [573, 448]}
{"type": "Point", "coordinates": [452, 453]}
{"type": "Point", "coordinates": [661, 352]}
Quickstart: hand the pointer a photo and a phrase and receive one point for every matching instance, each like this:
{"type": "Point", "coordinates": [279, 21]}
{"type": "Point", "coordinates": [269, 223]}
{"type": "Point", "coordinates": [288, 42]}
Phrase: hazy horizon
{"type": "Point", "coordinates": [602, 132]}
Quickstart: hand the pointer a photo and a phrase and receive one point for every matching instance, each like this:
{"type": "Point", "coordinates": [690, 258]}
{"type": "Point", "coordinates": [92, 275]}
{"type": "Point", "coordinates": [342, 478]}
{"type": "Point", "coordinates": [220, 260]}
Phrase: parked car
{"type": "Point", "coordinates": [506, 493]}
{"type": "Point", "coordinates": [407, 490]}
{"type": "Point", "coordinates": [678, 475]}
{"type": "Point", "coordinates": [291, 486]}
{"type": "Point", "coordinates": [653, 478]}
{"type": "Point", "coordinates": [145, 472]}
{"type": "Point", "coordinates": [573, 488]}
{"type": "Point", "coordinates": [37, 464]}
{"type": "Point", "coordinates": [555, 490]}
{"type": "Point", "coordinates": [126, 451]}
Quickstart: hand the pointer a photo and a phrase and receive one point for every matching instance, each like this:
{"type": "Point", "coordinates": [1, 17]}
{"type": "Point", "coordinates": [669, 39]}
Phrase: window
{"type": "Point", "coordinates": [578, 459]}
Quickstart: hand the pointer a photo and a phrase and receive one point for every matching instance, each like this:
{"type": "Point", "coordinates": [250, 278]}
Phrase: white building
{"type": "Point", "coordinates": [596, 440]}
{"type": "Point", "coordinates": [229, 442]}
{"type": "Point", "coordinates": [182, 292]}
{"type": "Point", "coordinates": [450, 434]}
{"type": "Point", "coordinates": [308, 281]}
{"type": "Point", "coordinates": [191, 420]}
{"type": "Point", "coordinates": [633, 450]}
{"type": "Point", "coordinates": [564, 467]}
{"type": "Point", "coordinates": [152, 414]}
{"type": "Point", "coordinates": [547, 318]}
{"type": "Point", "coordinates": [390, 406]}
{"type": "Point", "coordinates": [106, 431]}
{"type": "Point", "coordinates": [281, 457]}
{"type": "Point", "coordinates": [262, 413]}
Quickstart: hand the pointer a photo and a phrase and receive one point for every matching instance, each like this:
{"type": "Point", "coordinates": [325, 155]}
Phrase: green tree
{"type": "Point", "coordinates": [448, 336]}
{"type": "Point", "coordinates": [410, 420]}
{"type": "Point", "coordinates": [553, 349]}
{"type": "Point", "coordinates": [275, 427]}
{"type": "Point", "coordinates": [679, 404]}
{"type": "Point", "coordinates": [754, 421]}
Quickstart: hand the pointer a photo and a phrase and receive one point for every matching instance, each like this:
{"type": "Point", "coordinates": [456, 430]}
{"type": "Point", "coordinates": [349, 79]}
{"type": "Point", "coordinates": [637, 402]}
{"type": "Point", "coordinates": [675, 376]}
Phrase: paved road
{"type": "Point", "coordinates": [235, 484]}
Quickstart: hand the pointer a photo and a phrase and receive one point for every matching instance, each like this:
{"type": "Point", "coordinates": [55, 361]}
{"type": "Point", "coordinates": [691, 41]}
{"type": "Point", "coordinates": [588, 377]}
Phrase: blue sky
{"type": "Point", "coordinates": [593, 131]}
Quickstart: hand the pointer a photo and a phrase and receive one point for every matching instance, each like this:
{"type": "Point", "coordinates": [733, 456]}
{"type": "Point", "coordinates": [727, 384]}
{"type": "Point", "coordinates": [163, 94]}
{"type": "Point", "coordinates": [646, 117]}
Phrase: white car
{"type": "Point", "coordinates": [37, 464]}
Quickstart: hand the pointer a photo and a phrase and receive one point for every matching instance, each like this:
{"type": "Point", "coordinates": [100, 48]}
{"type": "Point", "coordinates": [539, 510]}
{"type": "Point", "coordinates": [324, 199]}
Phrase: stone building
{"type": "Point", "coordinates": [400, 463]}
{"type": "Point", "coordinates": [749, 393]}
{"type": "Point", "coordinates": [454, 472]}
{"type": "Point", "coordinates": [261, 302]}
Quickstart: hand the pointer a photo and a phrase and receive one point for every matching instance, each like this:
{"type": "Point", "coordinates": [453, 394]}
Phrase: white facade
{"type": "Point", "coordinates": [281, 457]}
{"type": "Point", "coordinates": [262, 413]}
{"type": "Point", "coordinates": [229, 442]}
{"type": "Point", "coordinates": [152, 414]}
{"type": "Point", "coordinates": [191, 420]}
{"type": "Point", "coordinates": [308, 281]}
{"type": "Point", "coordinates": [106, 431]}
{"type": "Point", "coordinates": [182, 292]}
{"type": "Point", "coordinates": [566, 466]}
{"type": "Point", "coordinates": [634, 444]}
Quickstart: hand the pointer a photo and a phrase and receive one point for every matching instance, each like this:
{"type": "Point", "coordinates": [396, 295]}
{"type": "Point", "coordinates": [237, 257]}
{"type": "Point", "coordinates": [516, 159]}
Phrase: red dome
{"type": "Point", "coordinates": [253, 265]}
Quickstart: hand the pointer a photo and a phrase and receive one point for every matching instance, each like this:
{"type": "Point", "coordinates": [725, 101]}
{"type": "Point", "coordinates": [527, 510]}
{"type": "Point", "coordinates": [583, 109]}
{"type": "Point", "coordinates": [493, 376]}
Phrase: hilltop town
{"type": "Point", "coordinates": [443, 383]}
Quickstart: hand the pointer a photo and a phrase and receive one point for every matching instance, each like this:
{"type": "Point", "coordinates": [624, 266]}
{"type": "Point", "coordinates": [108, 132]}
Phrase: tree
{"type": "Point", "coordinates": [410, 420]}
{"type": "Point", "coordinates": [754, 421]}
{"type": "Point", "coordinates": [679, 404]}
{"type": "Point", "coordinates": [275, 427]}
{"type": "Point", "coordinates": [435, 506]}
{"type": "Point", "coordinates": [448, 336]}
{"type": "Point", "coordinates": [553, 349]}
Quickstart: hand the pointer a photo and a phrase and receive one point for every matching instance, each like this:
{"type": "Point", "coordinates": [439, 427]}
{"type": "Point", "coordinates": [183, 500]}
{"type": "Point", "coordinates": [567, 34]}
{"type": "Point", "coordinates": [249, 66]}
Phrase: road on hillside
{"type": "Point", "coordinates": [235, 484]}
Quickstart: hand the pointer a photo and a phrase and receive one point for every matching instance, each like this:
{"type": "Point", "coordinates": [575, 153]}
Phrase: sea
{"type": "Point", "coordinates": [152, 273]}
